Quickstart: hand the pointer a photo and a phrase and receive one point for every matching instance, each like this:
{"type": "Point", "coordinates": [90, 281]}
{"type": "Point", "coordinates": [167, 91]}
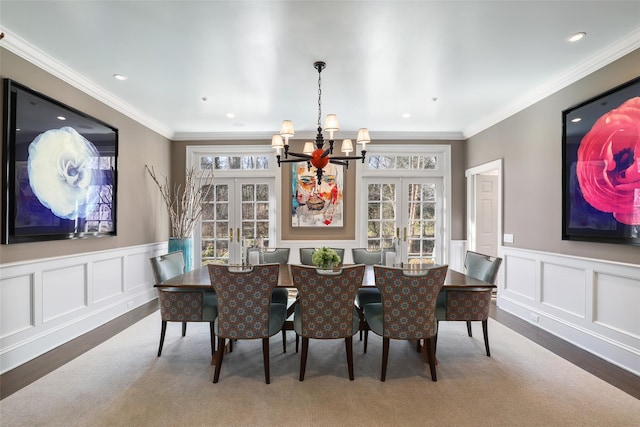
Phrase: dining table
{"type": "Point", "coordinates": [199, 279]}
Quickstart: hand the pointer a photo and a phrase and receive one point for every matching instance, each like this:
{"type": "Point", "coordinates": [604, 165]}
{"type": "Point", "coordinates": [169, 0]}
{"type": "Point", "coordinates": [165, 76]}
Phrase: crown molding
{"type": "Point", "coordinates": [376, 136]}
{"type": "Point", "coordinates": [37, 57]}
{"type": "Point", "coordinates": [616, 51]}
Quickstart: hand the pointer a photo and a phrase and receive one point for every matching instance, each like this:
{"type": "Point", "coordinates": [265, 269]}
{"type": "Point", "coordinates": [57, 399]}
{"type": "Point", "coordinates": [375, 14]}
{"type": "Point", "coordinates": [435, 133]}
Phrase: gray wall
{"type": "Point", "coordinates": [530, 143]}
{"type": "Point", "coordinates": [458, 202]}
{"type": "Point", "coordinates": [141, 216]}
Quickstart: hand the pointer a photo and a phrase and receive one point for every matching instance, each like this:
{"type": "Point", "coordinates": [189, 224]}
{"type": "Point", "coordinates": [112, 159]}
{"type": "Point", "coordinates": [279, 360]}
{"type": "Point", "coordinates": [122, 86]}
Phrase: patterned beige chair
{"type": "Point", "coordinates": [325, 308]}
{"type": "Point", "coordinates": [407, 310]}
{"type": "Point", "coordinates": [472, 304]}
{"type": "Point", "coordinates": [180, 305]}
{"type": "Point", "coordinates": [245, 308]}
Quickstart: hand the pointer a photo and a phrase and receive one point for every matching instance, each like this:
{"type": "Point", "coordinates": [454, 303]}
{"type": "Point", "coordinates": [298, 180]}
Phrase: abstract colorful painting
{"type": "Point", "coordinates": [316, 204]}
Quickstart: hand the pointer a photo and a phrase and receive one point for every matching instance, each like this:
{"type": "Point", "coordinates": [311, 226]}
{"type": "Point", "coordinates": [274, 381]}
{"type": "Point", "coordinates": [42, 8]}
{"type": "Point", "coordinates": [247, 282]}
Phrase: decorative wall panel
{"type": "Point", "coordinates": [107, 279]}
{"type": "Point", "coordinates": [564, 288]}
{"type": "Point", "coordinates": [618, 304]}
{"type": "Point", "coordinates": [64, 290]}
{"type": "Point", "coordinates": [16, 294]}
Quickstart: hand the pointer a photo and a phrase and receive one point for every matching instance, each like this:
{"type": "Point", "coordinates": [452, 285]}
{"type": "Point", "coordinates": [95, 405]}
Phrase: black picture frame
{"type": "Point", "coordinates": [59, 170]}
{"type": "Point", "coordinates": [600, 193]}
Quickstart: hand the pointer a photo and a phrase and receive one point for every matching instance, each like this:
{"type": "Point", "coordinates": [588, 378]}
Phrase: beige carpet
{"type": "Point", "coordinates": [123, 383]}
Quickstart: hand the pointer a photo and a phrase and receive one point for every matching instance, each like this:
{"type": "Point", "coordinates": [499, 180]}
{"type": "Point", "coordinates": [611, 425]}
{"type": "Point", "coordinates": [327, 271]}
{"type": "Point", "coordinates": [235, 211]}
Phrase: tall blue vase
{"type": "Point", "coordinates": [186, 246]}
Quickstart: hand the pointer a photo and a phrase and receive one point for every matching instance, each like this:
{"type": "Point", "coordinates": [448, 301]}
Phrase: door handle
{"type": "Point", "coordinates": [231, 235]}
{"type": "Point", "coordinates": [398, 232]}
{"type": "Point", "coordinates": [405, 234]}
{"type": "Point", "coordinates": [238, 235]}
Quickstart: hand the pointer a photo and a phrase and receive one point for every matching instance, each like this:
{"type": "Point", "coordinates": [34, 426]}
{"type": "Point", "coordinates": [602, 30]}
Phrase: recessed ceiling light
{"type": "Point", "coordinates": [406, 115]}
{"type": "Point", "coordinates": [204, 98]}
{"type": "Point", "coordinates": [434, 99]}
{"type": "Point", "coordinates": [61, 118]}
{"type": "Point", "coordinates": [120, 77]}
{"type": "Point", "coordinates": [577, 36]}
{"type": "Point", "coordinates": [576, 120]}
{"type": "Point", "coordinates": [230, 115]}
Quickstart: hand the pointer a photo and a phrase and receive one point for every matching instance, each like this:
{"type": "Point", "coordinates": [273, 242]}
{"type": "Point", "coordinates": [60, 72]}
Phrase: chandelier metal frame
{"type": "Point", "coordinates": [321, 156]}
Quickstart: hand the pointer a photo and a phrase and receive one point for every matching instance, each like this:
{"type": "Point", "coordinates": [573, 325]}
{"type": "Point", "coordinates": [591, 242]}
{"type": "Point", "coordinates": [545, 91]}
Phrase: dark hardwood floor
{"type": "Point", "coordinates": [23, 375]}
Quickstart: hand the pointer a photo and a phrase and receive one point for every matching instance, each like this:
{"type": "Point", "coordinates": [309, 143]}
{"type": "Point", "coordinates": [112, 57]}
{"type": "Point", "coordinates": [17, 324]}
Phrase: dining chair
{"type": "Point", "coordinates": [325, 308]}
{"type": "Point", "coordinates": [471, 304]}
{"type": "Point", "coordinates": [407, 310]}
{"type": "Point", "coordinates": [179, 305]}
{"type": "Point", "coordinates": [245, 307]}
{"type": "Point", "coordinates": [369, 294]}
{"type": "Point", "coordinates": [307, 253]}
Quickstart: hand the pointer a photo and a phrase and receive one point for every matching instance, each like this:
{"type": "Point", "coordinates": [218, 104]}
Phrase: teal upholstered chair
{"type": "Point", "coordinates": [325, 307]}
{"type": "Point", "coordinates": [407, 310]}
{"type": "Point", "coordinates": [307, 253]}
{"type": "Point", "coordinates": [245, 308]}
{"type": "Point", "coordinates": [275, 255]}
{"type": "Point", "coordinates": [179, 305]}
{"type": "Point", "coordinates": [471, 304]}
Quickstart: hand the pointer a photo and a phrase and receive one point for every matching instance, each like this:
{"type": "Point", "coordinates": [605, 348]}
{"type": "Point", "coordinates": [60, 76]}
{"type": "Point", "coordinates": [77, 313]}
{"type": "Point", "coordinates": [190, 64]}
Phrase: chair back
{"type": "Point", "coordinates": [409, 300]}
{"type": "Point", "coordinates": [307, 253]}
{"type": "Point", "coordinates": [244, 299]}
{"type": "Point", "coordinates": [167, 266]}
{"type": "Point", "coordinates": [326, 300]}
{"type": "Point", "coordinates": [181, 305]}
{"type": "Point", "coordinates": [366, 256]}
{"type": "Point", "coordinates": [482, 267]}
{"type": "Point", "coordinates": [275, 256]}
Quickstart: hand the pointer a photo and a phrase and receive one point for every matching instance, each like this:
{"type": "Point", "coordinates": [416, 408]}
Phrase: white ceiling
{"type": "Point", "coordinates": [457, 67]}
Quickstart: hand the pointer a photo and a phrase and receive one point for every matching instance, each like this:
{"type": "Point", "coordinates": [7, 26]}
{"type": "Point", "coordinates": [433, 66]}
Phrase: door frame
{"type": "Point", "coordinates": [470, 175]}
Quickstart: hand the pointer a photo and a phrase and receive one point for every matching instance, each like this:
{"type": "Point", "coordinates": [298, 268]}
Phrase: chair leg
{"type": "Point", "coordinates": [348, 343]}
{"type": "Point", "coordinates": [284, 339]}
{"type": "Point", "coordinates": [303, 357]}
{"type": "Point", "coordinates": [431, 347]}
{"type": "Point", "coordinates": [265, 357]}
{"type": "Point", "coordinates": [213, 339]}
{"type": "Point", "coordinates": [297, 341]}
{"type": "Point", "coordinates": [485, 332]}
{"type": "Point", "coordinates": [469, 328]}
{"type": "Point", "coordinates": [385, 358]}
{"type": "Point", "coordinates": [219, 356]}
{"type": "Point", "coordinates": [184, 328]}
{"type": "Point", "coordinates": [162, 332]}
{"type": "Point", "coordinates": [366, 339]}
{"type": "Point", "coordinates": [230, 345]}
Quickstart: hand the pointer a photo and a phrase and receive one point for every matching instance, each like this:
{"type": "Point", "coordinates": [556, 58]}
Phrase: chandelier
{"type": "Point", "coordinates": [316, 154]}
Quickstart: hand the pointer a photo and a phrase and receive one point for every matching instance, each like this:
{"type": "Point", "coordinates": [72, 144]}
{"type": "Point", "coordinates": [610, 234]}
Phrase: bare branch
{"type": "Point", "coordinates": [184, 204]}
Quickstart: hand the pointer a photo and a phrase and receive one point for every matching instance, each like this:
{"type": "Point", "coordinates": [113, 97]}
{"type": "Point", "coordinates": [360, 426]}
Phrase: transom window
{"type": "Point", "coordinates": [245, 162]}
{"type": "Point", "coordinates": [403, 162]}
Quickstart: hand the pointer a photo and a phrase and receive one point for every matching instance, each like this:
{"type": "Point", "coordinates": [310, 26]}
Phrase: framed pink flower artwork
{"type": "Point", "coordinates": [601, 167]}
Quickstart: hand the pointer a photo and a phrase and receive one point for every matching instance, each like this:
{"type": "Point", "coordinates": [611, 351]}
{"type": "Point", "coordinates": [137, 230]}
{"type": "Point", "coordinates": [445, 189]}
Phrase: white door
{"type": "Point", "coordinates": [405, 213]}
{"type": "Point", "coordinates": [240, 213]}
{"type": "Point", "coordinates": [486, 192]}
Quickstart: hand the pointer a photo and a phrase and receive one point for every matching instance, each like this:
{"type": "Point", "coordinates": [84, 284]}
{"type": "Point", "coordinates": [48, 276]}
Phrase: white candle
{"type": "Point", "coordinates": [390, 259]}
{"type": "Point", "coordinates": [254, 258]}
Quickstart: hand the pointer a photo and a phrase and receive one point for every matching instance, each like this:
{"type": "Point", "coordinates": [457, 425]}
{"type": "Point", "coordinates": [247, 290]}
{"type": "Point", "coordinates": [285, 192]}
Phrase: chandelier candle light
{"type": "Point", "coordinates": [319, 156]}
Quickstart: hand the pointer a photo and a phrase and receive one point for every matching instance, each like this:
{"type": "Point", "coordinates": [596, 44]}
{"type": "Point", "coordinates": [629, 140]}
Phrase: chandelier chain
{"type": "Point", "coordinates": [319, 97]}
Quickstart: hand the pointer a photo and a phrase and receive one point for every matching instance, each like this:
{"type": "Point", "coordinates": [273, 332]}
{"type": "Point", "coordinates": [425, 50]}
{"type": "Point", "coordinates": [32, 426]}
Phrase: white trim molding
{"type": "Point", "coordinates": [591, 303]}
{"type": "Point", "coordinates": [45, 303]}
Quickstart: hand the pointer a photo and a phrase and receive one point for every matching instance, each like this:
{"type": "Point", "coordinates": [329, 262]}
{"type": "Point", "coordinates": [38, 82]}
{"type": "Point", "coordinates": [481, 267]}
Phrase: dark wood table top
{"type": "Point", "coordinates": [199, 279]}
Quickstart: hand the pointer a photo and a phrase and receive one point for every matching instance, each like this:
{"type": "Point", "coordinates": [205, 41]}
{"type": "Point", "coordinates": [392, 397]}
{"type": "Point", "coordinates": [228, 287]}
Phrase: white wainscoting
{"type": "Point", "coordinates": [591, 303]}
{"type": "Point", "coordinates": [47, 302]}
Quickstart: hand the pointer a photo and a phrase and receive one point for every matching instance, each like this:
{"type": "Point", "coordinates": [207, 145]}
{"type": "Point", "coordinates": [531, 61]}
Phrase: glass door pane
{"type": "Point", "coordinates": [421, 222]}
{"type": "Point", "coordinates": [215, 227]}
{"type": "Point", "coordinates": [381, 214]}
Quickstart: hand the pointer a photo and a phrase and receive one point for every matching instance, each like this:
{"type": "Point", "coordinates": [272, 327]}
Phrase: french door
{"type": "Point", "coordinates": [240, 213]}
{"type": "Point", "coordinates": [406, 214]}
